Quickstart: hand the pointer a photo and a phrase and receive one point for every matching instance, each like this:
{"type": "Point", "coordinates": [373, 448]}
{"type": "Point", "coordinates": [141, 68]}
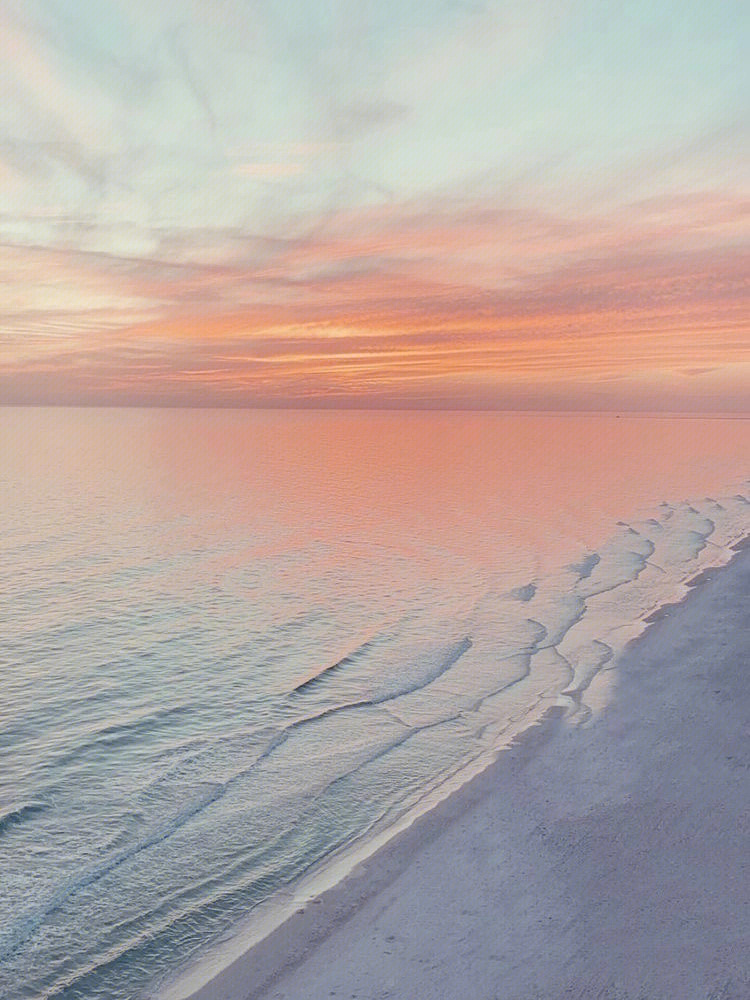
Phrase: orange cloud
{"type": "Point", "coordinates": [402, 305]}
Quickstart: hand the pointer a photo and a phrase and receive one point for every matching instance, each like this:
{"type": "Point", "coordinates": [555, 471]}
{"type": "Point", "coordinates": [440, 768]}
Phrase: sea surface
{"type": "Point", "coordinates": [232, 642]}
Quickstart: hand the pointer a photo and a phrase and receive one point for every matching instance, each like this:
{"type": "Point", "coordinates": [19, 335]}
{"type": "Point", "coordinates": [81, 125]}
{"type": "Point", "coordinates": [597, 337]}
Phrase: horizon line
{"type": "Point", "coordinates": [527, 411]}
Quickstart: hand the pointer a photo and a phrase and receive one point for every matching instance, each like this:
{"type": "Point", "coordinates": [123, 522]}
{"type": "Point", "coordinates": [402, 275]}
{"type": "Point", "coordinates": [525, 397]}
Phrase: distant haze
{"type": "Point", "coordinates": [531, 205]}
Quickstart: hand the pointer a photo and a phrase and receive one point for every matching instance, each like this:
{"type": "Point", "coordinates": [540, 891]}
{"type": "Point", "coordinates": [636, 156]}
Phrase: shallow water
{"type": "Point", "coordinates": [232, 641]}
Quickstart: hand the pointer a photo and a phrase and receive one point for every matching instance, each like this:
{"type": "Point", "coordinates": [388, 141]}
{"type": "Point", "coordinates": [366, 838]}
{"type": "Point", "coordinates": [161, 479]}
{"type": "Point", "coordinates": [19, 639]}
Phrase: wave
{"type": "Point", "coordinates": [108, 737]}
{"type": "Point", "coordinates": [13, 937]}
{"type": "Point", "coordinates": [345, 661]}
{"type": "Point", "coordinates": [524, 593]}
{"type": "Point", "coordinates": [18, 814]}
{"type": "Point", "coordinates": [586, 566]}
{"type": "Point", "coordinates": [17, 934]}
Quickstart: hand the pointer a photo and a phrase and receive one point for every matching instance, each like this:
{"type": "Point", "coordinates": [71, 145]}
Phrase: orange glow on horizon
{"type": "Point", "coordinates": [393, 312]}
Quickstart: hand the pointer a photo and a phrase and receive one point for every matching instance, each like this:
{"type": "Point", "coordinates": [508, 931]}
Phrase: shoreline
{"type": "Point", "coordinates": [324, 902]}
{"type": "Point", "coordinates": [213, 970]}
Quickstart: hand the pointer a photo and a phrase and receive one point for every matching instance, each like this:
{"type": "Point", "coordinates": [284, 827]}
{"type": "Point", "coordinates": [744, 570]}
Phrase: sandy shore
{"type": "Point", "coordinates": [610, 860]}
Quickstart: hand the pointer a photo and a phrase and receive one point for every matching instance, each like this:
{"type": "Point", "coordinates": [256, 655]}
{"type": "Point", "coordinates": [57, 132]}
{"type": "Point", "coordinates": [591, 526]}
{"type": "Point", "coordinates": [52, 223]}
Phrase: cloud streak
{"type": "Point", "coordinates": [358, 204]}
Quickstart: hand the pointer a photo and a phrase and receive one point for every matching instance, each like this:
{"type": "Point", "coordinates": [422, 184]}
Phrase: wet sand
{"type": "Point", "coordinates": [604, 861]}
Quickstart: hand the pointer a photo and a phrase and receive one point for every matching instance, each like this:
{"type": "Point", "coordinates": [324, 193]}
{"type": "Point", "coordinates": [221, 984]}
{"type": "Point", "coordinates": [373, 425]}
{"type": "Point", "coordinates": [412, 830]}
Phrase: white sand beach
{"type": "Point", "coordinates": [605, 860]}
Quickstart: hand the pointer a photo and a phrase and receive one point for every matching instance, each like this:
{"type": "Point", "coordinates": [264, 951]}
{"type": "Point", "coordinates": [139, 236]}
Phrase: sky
{"type": "Point", "coordinates": [512, 205]}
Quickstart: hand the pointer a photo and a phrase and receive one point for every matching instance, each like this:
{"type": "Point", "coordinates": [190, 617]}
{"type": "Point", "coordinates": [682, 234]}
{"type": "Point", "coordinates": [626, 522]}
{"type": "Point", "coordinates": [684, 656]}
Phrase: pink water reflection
{"type": "Point", "coordinates": [491, 487]}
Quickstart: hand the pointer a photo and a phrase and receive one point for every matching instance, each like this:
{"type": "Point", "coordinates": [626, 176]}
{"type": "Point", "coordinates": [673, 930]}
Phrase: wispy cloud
{"type": "Point", "coordinates": [452, 203]}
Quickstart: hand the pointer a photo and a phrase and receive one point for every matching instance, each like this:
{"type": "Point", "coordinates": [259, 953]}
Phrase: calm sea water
{"type": "Point", "coordinates": [233, 641]}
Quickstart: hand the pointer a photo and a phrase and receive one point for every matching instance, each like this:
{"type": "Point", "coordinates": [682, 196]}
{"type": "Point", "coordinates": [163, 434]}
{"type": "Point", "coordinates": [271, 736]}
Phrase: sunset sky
{"type": "Point", "coordinates": [536, 204]}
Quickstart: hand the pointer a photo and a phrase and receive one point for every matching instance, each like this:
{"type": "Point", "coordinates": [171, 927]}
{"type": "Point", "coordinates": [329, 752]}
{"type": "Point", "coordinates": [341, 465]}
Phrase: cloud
{"type": "Point", "coordinates": [399, 293]}
{"type": "Point", "coordinates": [356, 117]}
{"type": "Point", "coordinates": [269, 170]}
{"type": "Point", "coordinates": [335, 201]}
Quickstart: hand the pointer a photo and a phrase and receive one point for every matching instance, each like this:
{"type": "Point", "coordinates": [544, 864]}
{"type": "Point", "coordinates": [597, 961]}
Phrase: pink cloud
{"type": "Point", "coordinates": [391, 300]}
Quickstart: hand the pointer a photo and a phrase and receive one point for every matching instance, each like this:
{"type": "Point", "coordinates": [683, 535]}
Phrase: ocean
{"type": "Point", "coordinates": [234, 642]}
